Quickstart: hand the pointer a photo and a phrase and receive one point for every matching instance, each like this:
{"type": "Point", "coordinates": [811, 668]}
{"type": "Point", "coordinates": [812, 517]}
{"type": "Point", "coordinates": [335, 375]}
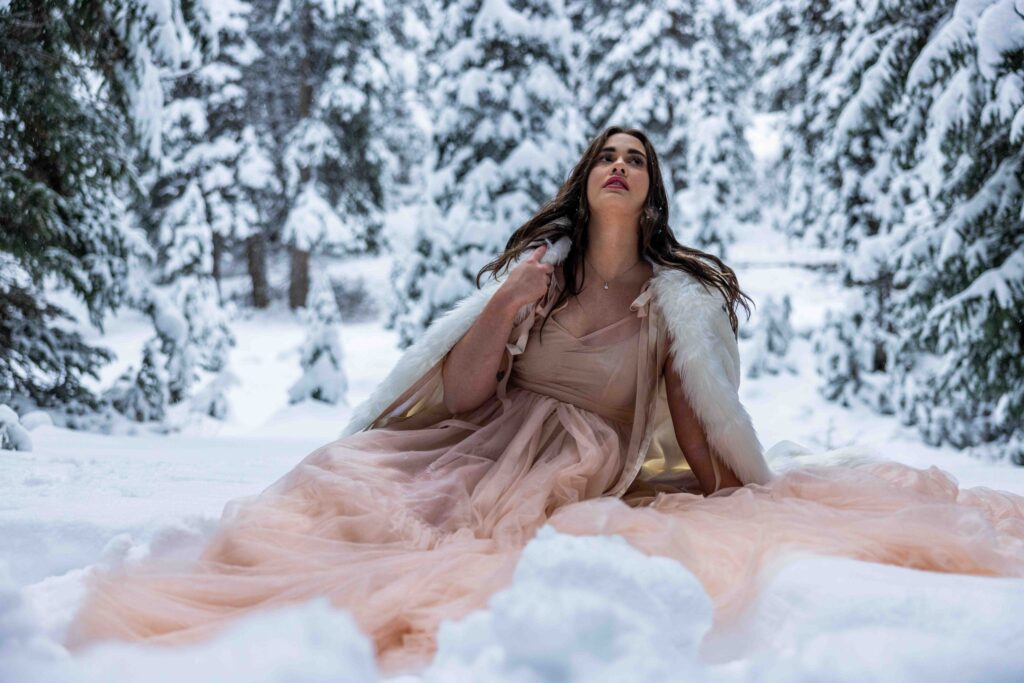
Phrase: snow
{"type": "Point", "coordinates": [312, 221]}
{"type": "Point", "coordinates": [496, 18]}
{"type": "Point", "coordinates": [581, 608]}
{"type": "Point", "coordinates": [309, 643]}
{"type": "Point", "coordinates": [1000, 31]}
{"type": "Point", "coordinates": [836, 619]}
{"type": "Point", "coordinates": [996, 282]}
{"type": "Point", "coordinates": [13, 434]}
{"type": "Point", "coordinates": [81, 499]}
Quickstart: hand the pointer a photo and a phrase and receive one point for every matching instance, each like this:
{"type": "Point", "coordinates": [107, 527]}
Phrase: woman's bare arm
{"type": "Point", "coordinates": [470, 371]}
{"type": "Point", "coordinates": [690, 435]}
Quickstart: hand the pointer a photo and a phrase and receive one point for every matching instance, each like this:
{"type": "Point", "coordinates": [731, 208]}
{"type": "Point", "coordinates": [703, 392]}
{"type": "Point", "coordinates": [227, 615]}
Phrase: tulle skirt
{"type": "Point", "coordinates": [403, 527]}
{"type": "Point", "coordinates": [406, 528]}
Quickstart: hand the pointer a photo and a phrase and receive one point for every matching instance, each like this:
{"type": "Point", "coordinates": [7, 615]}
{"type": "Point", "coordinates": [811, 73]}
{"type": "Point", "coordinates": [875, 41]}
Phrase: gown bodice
{"type": "Point", "coordinates": [596, 372]}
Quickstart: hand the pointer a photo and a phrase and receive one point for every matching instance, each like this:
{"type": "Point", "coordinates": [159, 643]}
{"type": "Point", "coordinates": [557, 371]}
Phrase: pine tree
{"type": "Point", "coordinates": [208, 322]}
{"type": "Point", "coordinates": [335, 160]}
{"type": "Point", "coordinates": [205, 199]}
{"type": "Point", "coordinates": [771, 339]}
{"type": "Point", "coordinates": [961, 277]}
{"type": "Point", "coordinates": [193, 333]}
{"type": "Point", "coordinates": [506, 134]}
{"type": "Point", "coordinates": [185, 236]}
{"type": "Point", "coordinates": [407, 133]}
{"type": "Point", "coordinates": [79, 103]}
{"type": "Point", "coordinates": [39, 359]}
{"type": "Point", "coordinates": [181, 362]}
{"type": "Point", "coordinates": [142, 396]}
{"type": "Point", "coordinates": [916, 157]}
{"type": "Point", "coordinates": [715, 199]}
{"type": "Point", "coordinates": [13, 435]}
{"type": "Point", "coordinates": [796, 46]}
{"type": "Point", "coordinates": [323, 375]}
{"type": "Point", "coordinates": [212, 399]}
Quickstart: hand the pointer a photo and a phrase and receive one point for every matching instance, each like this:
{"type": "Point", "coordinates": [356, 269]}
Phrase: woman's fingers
{"type": "Point", "coordinates": [539, 252]}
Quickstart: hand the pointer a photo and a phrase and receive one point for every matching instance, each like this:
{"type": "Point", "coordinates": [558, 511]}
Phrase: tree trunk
{"type": "Point", "coordinates": [299, 286]}
{"type": "Point", "coordinates": [218, 256]}
{"type": "Point", "coordinates": [300, 278]}
{"type": "Point", "coordinates": [256, 255]}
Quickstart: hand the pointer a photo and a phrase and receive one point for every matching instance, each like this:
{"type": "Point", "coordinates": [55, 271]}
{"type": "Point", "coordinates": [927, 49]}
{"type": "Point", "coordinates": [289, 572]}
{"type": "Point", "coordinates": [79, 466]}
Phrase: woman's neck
{"type": "Point", "coordinates": [612, 248]}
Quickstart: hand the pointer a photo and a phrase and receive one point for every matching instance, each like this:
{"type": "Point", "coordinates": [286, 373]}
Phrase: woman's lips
{"type": "Point", "coordinates": [616, 183]}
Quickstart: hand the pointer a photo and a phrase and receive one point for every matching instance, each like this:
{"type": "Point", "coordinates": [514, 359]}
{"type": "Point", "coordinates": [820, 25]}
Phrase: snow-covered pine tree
{"type": "Point", "coordinates": [189, 317]}
{"type": "Point", "coordinates": [323, 372]}
{"type": "Point", "coordinates": [212, 398]}
{"type": "Point", "coordinates": [863, 197]}
{"type": "Point", "coordinates": [408, 125]}
{"type": "Point", "coordinates": [845, 357]}
{"type": "Point", "coordinates": [13, 435]}
{"type": "Point", "coordinates": [719, 165]}
{"type": "Point", "coordinates": [203, 202]}
{"type": "Point", "coordinates": [771, 339]}
{"type": "Point", "coordinates": [336, 157]}
{"type": "Point", "coordinates": [39, 360]}
{"type": "Point", "coordinates": [181, 363]}
{"type": "Point", "coordinates": [71, 126]}
{"type": "Point", "coordinates": [207, 320]}
{"type": "Point", "coordinates": [185, 237]}
{"type": "Point", "coordinates": [679, 71]}
{"type": "Point", "coordinates": [917, 181]}
{"type": "Point", "coordinates": [959, 357]}
{"type": "Point", "coordinates": [271, 82]}
{"type": "Point", "coordinates": [795, 45]}
{"type": "Point", "coordinates": [259, 181]}
{"type": "Point", "coordinates": [194, 335]}
{"type": "Point", "coordinates": [506, 134]}
{"type": "Point", "coordinates": [142, 395]}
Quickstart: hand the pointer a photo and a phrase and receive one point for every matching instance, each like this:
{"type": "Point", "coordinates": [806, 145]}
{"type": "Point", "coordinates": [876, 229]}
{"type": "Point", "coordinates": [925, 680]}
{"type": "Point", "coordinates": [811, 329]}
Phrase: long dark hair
{"type": "Point", "coordinates": [568, 213]}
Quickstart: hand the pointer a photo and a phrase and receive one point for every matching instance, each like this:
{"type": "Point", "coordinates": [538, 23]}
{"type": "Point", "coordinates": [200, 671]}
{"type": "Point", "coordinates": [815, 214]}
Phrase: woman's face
{"type": "Point", "coordinates": [622, 158]}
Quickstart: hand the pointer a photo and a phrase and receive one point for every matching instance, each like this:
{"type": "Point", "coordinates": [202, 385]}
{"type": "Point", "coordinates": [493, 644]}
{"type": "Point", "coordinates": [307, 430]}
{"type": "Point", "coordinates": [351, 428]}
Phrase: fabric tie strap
{"type": "Point", "coordinates": [640, 303]}
{"type": "Point", "coordinates": [521, 334]}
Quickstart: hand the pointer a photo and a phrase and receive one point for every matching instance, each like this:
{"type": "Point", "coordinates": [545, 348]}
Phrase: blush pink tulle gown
{"type": "Point", "coordinates": [408, 527]}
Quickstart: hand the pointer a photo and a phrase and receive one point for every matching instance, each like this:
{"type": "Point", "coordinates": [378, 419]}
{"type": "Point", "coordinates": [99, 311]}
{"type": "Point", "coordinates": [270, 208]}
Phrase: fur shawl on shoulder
{"type": "Point", "coordinates": [704, 351]}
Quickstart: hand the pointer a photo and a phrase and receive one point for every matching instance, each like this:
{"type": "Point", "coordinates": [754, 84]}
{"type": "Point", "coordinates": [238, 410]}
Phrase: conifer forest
{"type": "Point", "coordinates": [195, 161]}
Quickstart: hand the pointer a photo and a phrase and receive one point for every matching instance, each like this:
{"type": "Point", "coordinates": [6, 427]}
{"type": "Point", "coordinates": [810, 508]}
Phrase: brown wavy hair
{"type": "Point", "coordinates": [568, 214]}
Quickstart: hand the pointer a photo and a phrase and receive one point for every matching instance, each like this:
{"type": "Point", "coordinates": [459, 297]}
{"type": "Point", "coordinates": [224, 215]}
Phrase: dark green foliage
{"type": "Point", "coordinates": [63, 148]}
{"type": "Point", "coordinates": [71, 74]}
{"type": "Point", "coordinates": [38, 358]}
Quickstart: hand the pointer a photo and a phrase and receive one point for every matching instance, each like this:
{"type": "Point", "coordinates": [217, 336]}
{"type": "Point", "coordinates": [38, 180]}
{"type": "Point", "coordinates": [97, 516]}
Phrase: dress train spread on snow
{"type": "Point", "coordinates": [415, 523]}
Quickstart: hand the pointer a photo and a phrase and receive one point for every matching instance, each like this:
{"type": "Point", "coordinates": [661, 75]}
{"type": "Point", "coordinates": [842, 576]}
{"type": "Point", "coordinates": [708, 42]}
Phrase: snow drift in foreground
{"type": "Point", "coordinates": [591, 609]}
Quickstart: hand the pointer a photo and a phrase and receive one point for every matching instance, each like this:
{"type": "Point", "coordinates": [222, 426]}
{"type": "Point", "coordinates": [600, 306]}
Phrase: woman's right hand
{"type": "Point", "coordinates": [528, 281]}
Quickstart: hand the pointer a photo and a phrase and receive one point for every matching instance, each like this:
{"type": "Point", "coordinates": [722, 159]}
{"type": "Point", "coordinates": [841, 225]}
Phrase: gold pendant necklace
{"type": "Point", "coordinates": [601, 277]}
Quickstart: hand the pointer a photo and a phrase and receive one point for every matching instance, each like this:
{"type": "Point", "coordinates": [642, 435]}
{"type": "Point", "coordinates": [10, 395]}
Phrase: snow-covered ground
{"type": "Point", "coordinates": [79, 499]}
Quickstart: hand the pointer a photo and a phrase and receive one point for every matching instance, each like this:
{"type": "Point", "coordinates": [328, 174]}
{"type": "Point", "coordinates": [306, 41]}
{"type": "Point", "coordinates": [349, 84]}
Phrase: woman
{"type": "Point", "coordinates": [566, 390]}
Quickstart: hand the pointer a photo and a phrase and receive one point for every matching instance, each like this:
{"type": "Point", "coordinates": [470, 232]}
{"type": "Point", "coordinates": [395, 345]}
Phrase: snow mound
{"type": "Point", "coordinates": [837, 619]}
{"type": "Point", "coordinates": [312, 643]}
{"type": "Point", "coordinates": [581, 608]}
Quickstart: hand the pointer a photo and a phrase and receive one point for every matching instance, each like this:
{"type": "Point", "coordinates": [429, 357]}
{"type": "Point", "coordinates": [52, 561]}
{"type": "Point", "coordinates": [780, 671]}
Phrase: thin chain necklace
{"type": "Point", "coordinates": [602, 278]}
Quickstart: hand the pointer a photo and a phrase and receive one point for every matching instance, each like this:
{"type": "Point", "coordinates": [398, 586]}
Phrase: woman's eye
{"type": "Point", "coordinates": [636, 161]}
